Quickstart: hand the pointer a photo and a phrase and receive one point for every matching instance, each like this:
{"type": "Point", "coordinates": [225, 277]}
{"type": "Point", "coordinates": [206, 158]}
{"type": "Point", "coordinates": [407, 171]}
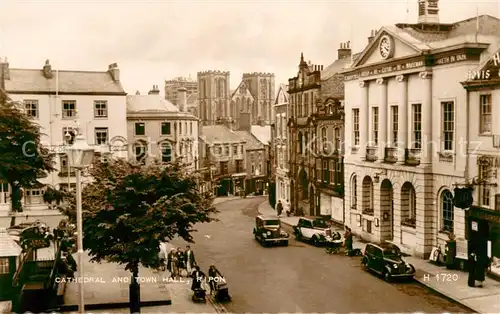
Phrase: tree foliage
{"type": "Point", "coordinates": [129, 209]}
{"type": "Point", "coordinates": [23, 158]}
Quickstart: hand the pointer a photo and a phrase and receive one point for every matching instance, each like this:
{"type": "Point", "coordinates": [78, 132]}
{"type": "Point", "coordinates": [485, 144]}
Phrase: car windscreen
{"type": "Point", "coordinates": [392, 253]}
{"type": "Point", "coordinates": [320, 224]}
{"type": "Point", "coordinates": [271, 222]}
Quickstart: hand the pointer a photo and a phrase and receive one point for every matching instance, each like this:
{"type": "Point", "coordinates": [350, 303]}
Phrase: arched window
{"type": "Point", "coordinates": [166, 152]}
{"type": "Point", "coordinates": [447, 211]}
{"type": "Point", "coordinates": [301, 142]}
{"type": "Point", "coordinates": [354, 192]}
{"type": "Point", "coordinates": [336, 137]}
{"type": "Point", "coordinates": [324, 139]}
{"type": "Point", "coordinates": [408, 205]}
{"type": "Point", "coordinates": [140, 151]}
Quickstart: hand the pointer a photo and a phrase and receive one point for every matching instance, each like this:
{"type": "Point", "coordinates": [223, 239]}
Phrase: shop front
{"type": "Point", "coordinates": [483, 235]}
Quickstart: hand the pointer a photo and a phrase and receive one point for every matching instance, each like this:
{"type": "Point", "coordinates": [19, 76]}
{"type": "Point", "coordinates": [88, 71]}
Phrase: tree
{"type": "Point", "coordinates": [23, 159]}
{"type": "Point", "coordinates": [129, 209]}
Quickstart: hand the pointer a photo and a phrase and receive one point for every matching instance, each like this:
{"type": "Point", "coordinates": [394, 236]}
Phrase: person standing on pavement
{"type": "Point", "coordinates": [348, 240]}
{"type": "Point", "coordinates": [279, 208]}
{"type": "Point", "coordinates": [172, 263]}
{"type": "Point", "coordinates": [181, 265]}
{"type": "Point", "coordinates": [471, 265]}
{"type": "Point", "coordinates": [287, 208]}
{"type": "Point", "coordinates": [481, 267]}
{"type": "Point", "coordinates": [198, 277]}
{"type": "Point", "coordinates": [189, 260]}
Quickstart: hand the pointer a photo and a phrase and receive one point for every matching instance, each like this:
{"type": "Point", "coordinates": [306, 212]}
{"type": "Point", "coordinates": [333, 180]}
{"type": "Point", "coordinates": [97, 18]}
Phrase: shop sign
{"type": "Point", "coordinates": [463, 198]}
{"type": "Point", "coordinates": [474, 226]}
{"type": "Point", "coordinates": [485, 215]}
{"type": "Point", "coordinates": [451, 59]}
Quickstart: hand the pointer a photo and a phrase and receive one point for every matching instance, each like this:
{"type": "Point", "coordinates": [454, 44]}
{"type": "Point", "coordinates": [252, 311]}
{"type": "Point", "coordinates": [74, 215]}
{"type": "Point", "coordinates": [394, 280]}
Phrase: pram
{"type": "Point", "coordinates": [199, 295]}
{"type": "Point", "coordinates": [334, 243]}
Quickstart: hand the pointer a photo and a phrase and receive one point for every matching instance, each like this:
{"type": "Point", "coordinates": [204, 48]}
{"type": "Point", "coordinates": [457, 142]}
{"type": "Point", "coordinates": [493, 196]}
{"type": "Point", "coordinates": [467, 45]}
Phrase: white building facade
{"type": "Point", "coordinates": [483, 134]}
{"type": "Point", "coordinates": [158, 129]}
{"type": "Point", "coordinates": [405, 112]}
{"type": "Point", "coordinates": [61, 101]}
{"type": "Point", "coordinates": [281, 146]}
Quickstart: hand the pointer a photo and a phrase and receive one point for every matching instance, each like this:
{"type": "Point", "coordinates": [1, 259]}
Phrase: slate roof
{"type": "Point", "coordinates": [262, 133]}
{"type": "Point", "coordinates": [336, 67]}
{"type": "Point", "coordinates": [8, 247]}
{"type": "Point", "coordinates": [284, 88]}
{"type": "Point", "coordinates": [220, 134]}
{"type": "Point", "coordinates": [149, 103]}
{"type": "Point", "coordinates": [70, 82]}
{"type": "Point", "coordinates": [252, 142]}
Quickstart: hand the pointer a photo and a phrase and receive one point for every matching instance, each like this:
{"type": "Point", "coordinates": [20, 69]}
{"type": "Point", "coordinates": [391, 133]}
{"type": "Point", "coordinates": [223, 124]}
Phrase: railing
{"type": "Point", "coordinates": [412, 156]}
{"type": "Point", "coordinates": [17, 274]}
{"type": "Point", "coordinates": [371, 153]}
{"type": "Point", "coordinates": [391, 154]}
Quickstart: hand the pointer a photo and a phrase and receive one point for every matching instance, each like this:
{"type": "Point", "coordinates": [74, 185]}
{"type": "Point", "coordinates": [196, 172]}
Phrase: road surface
{"type": "Point", "coordinates": [298, 278]}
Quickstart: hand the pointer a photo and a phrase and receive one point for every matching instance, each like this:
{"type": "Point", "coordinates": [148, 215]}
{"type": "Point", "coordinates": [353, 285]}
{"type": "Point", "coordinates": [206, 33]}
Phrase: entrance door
{"type": "Point", "coordinates": [387, 211]}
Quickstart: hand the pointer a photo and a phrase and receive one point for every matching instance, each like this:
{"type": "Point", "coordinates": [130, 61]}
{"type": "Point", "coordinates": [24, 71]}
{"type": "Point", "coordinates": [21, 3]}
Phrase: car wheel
{"type": "Point", "coordinates": [315, 241]}
{"type": "Point", "coordinates": [387, 276]}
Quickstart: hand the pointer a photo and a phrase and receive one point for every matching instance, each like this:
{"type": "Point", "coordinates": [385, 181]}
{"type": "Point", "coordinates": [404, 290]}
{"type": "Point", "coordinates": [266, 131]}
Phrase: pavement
{"type": "Point", "coordinates": [452, 284]}
{"type": "Point", "coordinates": [299, 278]}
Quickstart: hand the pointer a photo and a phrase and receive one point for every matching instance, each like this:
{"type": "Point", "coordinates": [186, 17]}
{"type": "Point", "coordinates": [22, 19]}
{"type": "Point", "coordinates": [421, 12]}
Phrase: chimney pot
{"type": "Point", "coordinates": [114, 71]}
{"type": "Point", "coordinates": [182, 99]}
{"type": "Point", "coordinates": [47, 70]}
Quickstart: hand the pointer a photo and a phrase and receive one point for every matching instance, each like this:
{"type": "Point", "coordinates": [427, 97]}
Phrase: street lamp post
{"type": "Point", "coordinates": [68, 137]}
{"type": "Point", "coordinates": [80, 155]}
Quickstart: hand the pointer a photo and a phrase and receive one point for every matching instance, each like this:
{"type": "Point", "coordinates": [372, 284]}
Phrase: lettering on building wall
{"type": "Point", "coordinates": [479, 75]}
{"type": "Point", "coordinates": [451, 59]}
{"type": "Point", "coordinates": [496, 59]}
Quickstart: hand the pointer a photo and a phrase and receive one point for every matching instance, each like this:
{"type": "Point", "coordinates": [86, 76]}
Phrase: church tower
{"type": "Point", "coordinates": [213, 96]}
{"type": "Point", "coordinates": [262, 87]}
{"type": "Point", "coordinates": [428, 12]}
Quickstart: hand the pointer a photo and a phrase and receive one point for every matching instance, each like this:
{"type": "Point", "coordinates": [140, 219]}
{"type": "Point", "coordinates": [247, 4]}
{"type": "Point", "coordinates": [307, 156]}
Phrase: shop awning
{"type": "Point", "coordinates": [485, 214]}
{"type": "Point", "coordinates": [239, 175]}
{"type": "Point", "coordinates": [8, 246]}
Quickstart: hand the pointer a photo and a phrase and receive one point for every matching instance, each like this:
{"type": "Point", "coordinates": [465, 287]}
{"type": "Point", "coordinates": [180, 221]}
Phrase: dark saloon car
{"type": "Point", "coordinates": [268, 231]}
{"type": "Point", "coordinates": [386, 260]}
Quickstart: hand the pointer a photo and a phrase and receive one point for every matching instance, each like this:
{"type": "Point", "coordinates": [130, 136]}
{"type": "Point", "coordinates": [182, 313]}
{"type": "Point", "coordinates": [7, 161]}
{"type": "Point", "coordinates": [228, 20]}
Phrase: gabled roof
{"type": "Point", "coordinates": [335, 68]}
{"type": "Point", "coordinates": [283, 88]}
{"type": "Point", "coordinates": [262, 133]}
{"type": "Point", "coordinates": [242, 86]}
{"type": "Point", "coordinates": [150, 104]}
{"type": "Point", "coordinates": [438, 36]}
{"type": "Point", "coordinates": [68, 82]}
{"type": "Point", "coordinates": [219, 134]}
{"type": "Point", "coordinates": [252, 142]}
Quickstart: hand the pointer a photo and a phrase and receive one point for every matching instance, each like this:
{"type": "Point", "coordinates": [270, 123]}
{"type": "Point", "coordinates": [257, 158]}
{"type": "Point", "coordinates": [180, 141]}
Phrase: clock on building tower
{"type": "Point", "coordinates": [386, 47]}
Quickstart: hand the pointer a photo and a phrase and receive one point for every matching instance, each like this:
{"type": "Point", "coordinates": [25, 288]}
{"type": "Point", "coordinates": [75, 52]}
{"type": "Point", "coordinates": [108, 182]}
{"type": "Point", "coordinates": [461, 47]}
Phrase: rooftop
{"type": "Point", "coordinates": [63, 81]}
{"type": "Point", "coordinates": [8, 247]}
{"type": "Point", "coordinates": [219, 134]}
{"type": "Point", "coordinates": [262, 133]}
{"type": "Point", "coordinates": [193, 98]}
{"type": "Point", "coordinates": [149, 103]}
{"type": "Point", "coordinates": [252, 143]}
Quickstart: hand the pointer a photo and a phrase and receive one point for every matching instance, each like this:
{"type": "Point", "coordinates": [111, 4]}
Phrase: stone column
{"type": "Point", "coordinates": [364, 117]}
{"type": "Point", "coordinates": [382, 118]}
{"type": "Point", "coordinates": [404, 121]}
{"type": "Point", "coordinates": [427, 140]}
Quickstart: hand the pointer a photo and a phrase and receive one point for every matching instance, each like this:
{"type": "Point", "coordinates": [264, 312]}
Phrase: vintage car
{"type": "Point", "coordinates": [386, 260]}
{"type": "Point", "coordinates": [315, 230]}
{"type": "Point", "coordinates": [268, 231]}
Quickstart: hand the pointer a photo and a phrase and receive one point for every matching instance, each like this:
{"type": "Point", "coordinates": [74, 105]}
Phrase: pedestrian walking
{"type": "Point", "coordinates": [189, 260]}
{"type": "Point", "coordinates": [198, 277]}
{"type": "Point", "coordinates": [172, 264]}
{"type": "Point", "coordinates": [181, 265]}
{"type": "Point", "coordinates": [480, 269]}
{"type": "Point", "coordinates": [279, 208]}
{"type": "Point", "coordinates": [471, 265]}
{"type": "Point", "coordinates": [212, 274]}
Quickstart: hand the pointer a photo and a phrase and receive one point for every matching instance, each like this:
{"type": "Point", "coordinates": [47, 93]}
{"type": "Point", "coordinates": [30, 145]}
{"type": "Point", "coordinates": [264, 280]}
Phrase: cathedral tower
{"type": "Point", "coordinates": [262, 87]}
{"type": "Point", "coordinates": [213, 95]}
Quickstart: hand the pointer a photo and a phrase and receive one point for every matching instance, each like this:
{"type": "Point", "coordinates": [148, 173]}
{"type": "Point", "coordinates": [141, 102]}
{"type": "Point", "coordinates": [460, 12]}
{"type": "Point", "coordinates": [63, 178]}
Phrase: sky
{"type": "Point", "coordinates": [156, 40]}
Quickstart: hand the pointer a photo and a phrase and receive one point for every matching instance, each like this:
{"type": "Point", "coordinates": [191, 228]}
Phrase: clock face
{"type": "Point", "coordinates": [385, 47]}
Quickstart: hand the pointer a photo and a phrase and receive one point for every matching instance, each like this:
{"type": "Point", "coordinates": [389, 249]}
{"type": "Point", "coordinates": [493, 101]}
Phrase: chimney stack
{"type": "Point", "coordinates": [154, 90]}
{"type": "Point", "coordinates": [245, 121]}
{"type": "Point", "coordinates": [373, 33]}
{"type": "Point", "coordinates": [182, 99]}
{"type": "Point", "coordinates": [114, 71]}
{"type": "Point", "coordinates": [47, 70]}
{"type": "Point", "coordinates": [344, 51]}
{"type": "Point", "coordinates": [4, 63]}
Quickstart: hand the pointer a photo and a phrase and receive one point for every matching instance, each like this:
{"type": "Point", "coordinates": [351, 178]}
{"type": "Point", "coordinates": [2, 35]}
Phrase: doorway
{"type": "Point", "coordinates": [386, 211]}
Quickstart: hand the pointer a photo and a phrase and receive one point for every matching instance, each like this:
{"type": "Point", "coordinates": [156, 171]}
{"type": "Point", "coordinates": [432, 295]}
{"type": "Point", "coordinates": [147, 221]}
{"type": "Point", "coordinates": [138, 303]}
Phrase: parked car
{"type": "Point", "coordinates": [386, 260]}
{"type": "Point", "coordinates": [315, 230]}
{"type": "Point", "coordinates": [268, 231]}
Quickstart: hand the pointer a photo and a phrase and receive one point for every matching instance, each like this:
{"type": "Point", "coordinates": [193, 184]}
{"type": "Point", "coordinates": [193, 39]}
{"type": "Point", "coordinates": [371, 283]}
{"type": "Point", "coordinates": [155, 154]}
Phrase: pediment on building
{"type": "Point", "coordinates": [388, 45]}
{"type": "Point", "coordinates": [489, 69]}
